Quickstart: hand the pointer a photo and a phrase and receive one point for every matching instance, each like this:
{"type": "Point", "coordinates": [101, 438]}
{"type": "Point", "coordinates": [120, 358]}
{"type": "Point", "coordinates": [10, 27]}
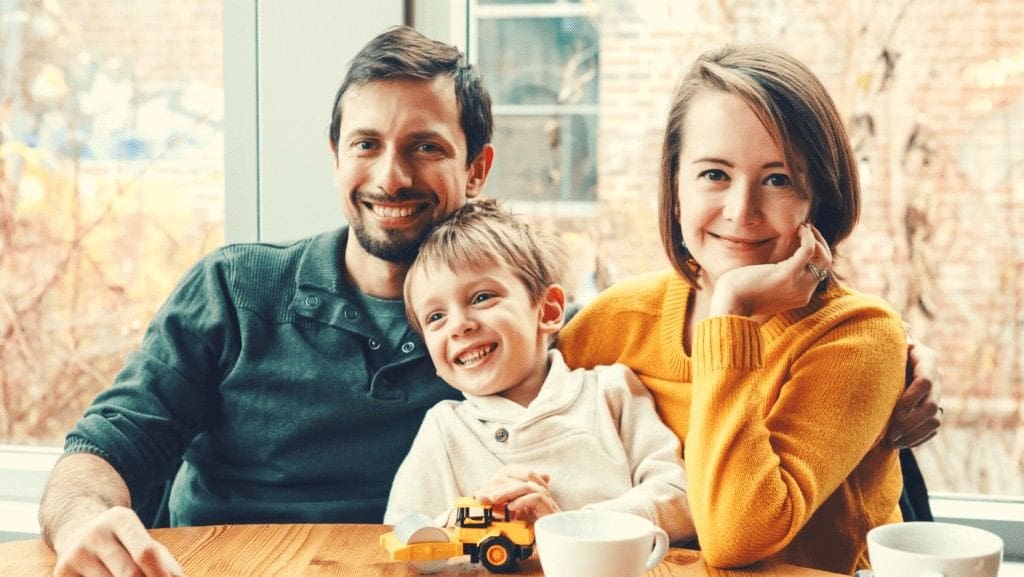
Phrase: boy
{"type": "Point", "coordinates": [530, 434]}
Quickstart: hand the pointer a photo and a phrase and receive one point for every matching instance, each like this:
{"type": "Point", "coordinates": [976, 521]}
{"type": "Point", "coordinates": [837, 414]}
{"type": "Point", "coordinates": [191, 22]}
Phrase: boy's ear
{"type": "Point", "coordinates": [552, 309]}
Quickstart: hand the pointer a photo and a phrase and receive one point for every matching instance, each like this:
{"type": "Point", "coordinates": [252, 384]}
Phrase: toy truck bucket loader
{"type": "Point", "coordinates": [496, 544]}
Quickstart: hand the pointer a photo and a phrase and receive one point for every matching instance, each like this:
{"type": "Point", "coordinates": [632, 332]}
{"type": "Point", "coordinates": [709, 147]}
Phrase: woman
{"type": "Point", "coordinates": [778, 380]}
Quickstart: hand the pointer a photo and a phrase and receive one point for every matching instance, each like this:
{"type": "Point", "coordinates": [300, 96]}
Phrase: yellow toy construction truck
{"type": "Point", "coordinates": [495, 543]}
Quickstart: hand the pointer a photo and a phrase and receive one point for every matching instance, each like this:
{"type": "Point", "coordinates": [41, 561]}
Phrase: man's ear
{"type": "Point", "coordinates": [334, 150]}
{"type": "Point", "coordinates": [552, 310]}
{"type": "Point", "coordinates": [478, 171]}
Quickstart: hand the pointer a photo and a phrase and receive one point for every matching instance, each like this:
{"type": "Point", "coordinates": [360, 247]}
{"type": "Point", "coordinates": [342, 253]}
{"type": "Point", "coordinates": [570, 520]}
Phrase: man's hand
{"type": "Point", "coordinates": [918, 413]}
{"type": "Point", "coordinates": [524, 493]}
{"type": "Point", "coordinates": [85, 516]}
{"type": "Point", "coordinates": [113, 543]}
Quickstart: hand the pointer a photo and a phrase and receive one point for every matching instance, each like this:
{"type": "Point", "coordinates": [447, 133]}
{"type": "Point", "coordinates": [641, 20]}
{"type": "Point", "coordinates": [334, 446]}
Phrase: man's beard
{"type": "Point", "coordinates": [392, 249]}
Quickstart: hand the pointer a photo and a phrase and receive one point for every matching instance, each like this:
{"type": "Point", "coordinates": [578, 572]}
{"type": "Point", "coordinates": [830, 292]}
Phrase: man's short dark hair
{"type": "Point", "coordinates": [404, 53]}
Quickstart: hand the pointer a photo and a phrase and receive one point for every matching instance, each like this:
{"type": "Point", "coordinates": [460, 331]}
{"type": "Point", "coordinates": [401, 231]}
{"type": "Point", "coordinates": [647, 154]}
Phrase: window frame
{"type": "Point", "coordinates": [278, 167]}
{"type": "Point", "coordinates": [473, 12]}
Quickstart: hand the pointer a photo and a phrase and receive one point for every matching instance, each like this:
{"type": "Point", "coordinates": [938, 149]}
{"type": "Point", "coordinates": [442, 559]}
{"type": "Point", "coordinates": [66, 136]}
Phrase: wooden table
{"type": "Point", "coordinates": [328, 551]}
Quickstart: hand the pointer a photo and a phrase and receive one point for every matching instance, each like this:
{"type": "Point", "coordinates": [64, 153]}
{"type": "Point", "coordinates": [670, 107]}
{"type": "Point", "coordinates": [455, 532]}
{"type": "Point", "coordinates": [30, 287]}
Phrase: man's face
{"type": "Point", "coordinates": [400, 163]}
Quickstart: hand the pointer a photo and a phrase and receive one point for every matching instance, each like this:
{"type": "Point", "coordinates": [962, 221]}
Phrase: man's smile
{"type": "Point", "coordinates": [391, 211]}
{"type": "Point", "coordinates": [394, 211]}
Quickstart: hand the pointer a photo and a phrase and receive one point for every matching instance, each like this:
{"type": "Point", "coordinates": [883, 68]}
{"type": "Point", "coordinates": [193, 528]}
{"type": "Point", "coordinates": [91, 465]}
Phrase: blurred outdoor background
{"type": "Point", "coordinates": [112, 175]}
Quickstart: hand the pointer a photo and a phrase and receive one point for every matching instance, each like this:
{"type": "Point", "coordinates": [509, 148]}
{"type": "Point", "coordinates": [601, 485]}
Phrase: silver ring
{"type": "Point", "coordinates": [817, 272]}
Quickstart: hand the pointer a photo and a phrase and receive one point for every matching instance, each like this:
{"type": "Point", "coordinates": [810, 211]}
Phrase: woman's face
{"type": "Point", "coordinates": [737, 198]}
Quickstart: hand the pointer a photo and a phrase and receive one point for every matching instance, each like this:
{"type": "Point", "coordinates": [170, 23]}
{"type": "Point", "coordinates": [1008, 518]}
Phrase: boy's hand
{"type": "Point", "coordinates": [524, 493]}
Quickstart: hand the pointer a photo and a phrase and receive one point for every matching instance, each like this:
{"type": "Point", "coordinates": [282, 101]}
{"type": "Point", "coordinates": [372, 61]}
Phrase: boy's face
{"type": "Point", "coordinates": [483, 333]}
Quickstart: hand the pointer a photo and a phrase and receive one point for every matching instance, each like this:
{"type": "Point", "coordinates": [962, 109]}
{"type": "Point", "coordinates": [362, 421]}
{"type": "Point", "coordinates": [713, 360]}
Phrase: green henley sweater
{"type": "Point", "coordinates": [262, 385]}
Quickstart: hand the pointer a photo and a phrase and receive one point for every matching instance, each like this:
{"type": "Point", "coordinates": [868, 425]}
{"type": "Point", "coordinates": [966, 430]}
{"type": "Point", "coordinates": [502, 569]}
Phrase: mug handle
{"type": "Point", "coordinates": [660, 548]}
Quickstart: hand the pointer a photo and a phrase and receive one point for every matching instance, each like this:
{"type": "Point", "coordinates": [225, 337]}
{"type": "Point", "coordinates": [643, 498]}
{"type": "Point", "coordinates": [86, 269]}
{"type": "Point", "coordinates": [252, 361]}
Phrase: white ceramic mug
{"type": "Point", "coordinates": [926, 549]}
{"type": "Point", "coordinates": [597, 543]}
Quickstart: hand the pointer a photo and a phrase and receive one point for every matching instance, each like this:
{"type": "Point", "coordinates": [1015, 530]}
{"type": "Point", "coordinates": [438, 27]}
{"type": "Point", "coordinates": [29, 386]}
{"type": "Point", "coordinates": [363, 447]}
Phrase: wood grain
{"type": "Point", "coordinates": [329, 551]}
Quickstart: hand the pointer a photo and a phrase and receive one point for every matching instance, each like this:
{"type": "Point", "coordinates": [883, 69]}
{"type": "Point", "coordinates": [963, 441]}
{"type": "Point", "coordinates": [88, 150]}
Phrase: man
{"type": "Point", "coordinates": [287, 377]}
{"type": "Point", "coordinates": [285, 380]}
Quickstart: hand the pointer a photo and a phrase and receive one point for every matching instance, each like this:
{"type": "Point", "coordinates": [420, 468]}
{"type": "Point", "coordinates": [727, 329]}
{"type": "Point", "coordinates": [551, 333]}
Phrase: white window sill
{"type": "Point", "coordinates": [23, 475]}
{"type": "Point", "coordinates": [19, 518]}
{"type": "Point", "coordinates": [1003, 516]}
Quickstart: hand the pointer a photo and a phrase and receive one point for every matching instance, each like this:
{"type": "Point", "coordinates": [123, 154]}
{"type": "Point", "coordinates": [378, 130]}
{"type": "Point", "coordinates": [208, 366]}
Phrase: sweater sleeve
{"type": "Point", "coordinates": [653, 452]}
{"type": "Point", "coordinates": [166, 391]}
{"type": "Point", "coordinates": [759, 467]}
{"type": "Point", "coordinates": [580, 341]}
{"type": "Point", "coordinates": [584, 341]}
{"type": "Point", "coordinates": [426, 481]}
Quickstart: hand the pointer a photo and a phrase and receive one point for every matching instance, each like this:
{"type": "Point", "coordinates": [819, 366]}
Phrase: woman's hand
{"type": "Point", "coordinates": [524, 493]}
{"type": "Point", "coordinates": [767, 289]}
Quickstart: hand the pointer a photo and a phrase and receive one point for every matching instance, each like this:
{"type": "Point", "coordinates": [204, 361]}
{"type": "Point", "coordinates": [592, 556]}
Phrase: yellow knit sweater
{"type": "Point", "coordinates": [780, 423]}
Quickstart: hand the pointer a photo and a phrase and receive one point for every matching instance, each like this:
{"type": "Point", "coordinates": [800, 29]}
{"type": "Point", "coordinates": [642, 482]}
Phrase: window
{"type": "Point", "coordinates": [111, 186]}
{"type": "Point", "coordinates": [540, 62]}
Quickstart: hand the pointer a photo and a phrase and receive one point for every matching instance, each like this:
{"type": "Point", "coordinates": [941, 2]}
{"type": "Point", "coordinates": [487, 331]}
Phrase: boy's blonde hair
{"type": "Point", "coordinates": [482, 232]}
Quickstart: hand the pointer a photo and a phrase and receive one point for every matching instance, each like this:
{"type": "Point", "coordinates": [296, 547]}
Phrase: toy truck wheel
{"type": "Point", "coordinates": [419, 529]}
{"type": "Point", "coordinates": [496, 555]}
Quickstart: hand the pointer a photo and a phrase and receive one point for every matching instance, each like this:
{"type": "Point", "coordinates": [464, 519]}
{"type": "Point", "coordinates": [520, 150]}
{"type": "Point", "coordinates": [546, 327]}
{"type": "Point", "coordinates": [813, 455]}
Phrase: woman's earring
{"type": "Point", "coordinates": [682, 248]}
{"type": "Point", "coordinates": [685, 253]}
{"type": "Point", "coordinates": [687, 257]}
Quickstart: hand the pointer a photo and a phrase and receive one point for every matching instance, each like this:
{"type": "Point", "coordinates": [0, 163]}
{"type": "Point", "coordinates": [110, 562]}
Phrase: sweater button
{"type": "Point", "coordinates": [351, 313]}
{"type": "Point", "coordinates": [408, 347]}
{"type": "Point", "coordinates": [374, 344]}
{"type": "Point", "coordinates": [312, 301]}
{"type": "Point", "coordinates": [501, 435]}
